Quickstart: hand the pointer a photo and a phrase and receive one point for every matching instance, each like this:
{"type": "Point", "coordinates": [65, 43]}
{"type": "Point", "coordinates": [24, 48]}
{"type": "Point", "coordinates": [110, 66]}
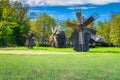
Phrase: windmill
{"type": "Point", "coordinates": [58, 38]}
{"type": "Point", "coordinates": [81, 34]}
{"type": "Point", "coordinates": [29, 40]}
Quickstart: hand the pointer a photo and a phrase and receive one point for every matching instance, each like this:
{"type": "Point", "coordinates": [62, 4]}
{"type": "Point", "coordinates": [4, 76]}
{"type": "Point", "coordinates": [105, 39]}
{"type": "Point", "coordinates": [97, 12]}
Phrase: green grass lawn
{"type": "Point", "coordinates": [68, 50]}
{"type": "Point", "coordinates": [97, 64]}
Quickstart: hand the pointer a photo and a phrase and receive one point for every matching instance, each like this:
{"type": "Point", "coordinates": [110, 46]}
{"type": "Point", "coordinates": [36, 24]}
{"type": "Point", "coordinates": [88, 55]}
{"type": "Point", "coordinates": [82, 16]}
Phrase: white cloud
{"type": "Point", "coordinates": [66, 2]}
{"type": "Point", "coordinates": [85, 8]}
{"type": "Point", "coordinates": [99, 2]}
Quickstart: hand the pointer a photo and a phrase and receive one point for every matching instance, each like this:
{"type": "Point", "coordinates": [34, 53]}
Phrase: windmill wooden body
{"type": "Point", "coordinates": [29, 41]}
{"type": "Point", "coordinates": [81, 34]}
{"type": "Point", "coordinates": [58, 39]}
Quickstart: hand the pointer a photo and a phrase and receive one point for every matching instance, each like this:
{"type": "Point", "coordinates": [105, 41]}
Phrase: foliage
{"type": "Point", "coordinates": [103, 30]}
{"type": "Point", "coordinates": [67, 29]}
{"type": "Point", "coordinates": [42, 26]}
{"type": "Point", "coordinates": [106, 31]}
{"type": "Point", "coordinates": [6, 33]}
{"type": "Point", "coordinates": [115, 30]}
{"type": "Point", "coordinates": [13, 23]}
{"type": "Point", "coordinates": [110, 30]}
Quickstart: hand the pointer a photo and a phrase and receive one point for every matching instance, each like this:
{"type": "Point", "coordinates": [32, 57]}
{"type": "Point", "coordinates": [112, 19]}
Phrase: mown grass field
{"type": "Point", "coordinates": [47, 64]}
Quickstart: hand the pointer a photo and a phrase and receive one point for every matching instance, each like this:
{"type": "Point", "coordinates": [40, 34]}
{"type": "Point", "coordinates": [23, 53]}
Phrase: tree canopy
{"type": "Point", "coordinates": [41, 27]}
{"type": "Point", "coordinates": [110, 30]}
{"type": "Point", "coordinates": [13, 23]}
{"type": "Point", "coordinates": [115, 30]}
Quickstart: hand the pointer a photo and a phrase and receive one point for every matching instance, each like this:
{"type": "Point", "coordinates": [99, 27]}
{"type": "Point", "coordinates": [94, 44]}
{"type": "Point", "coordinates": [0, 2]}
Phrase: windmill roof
{"type": "Point", "coordinates": [97, 38]}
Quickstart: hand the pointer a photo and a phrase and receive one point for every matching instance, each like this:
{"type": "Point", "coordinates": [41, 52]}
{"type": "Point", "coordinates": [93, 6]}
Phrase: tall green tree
{"type": "Point", "coordinates": [5, 25]}
{"type": "Point", "coordinates": [115, 30]}
{"type": "Point", "coordinates": [42, 26]}
{"type": "Point", "coordinates": [99, 27]}
{"type": "Point", "coordinates": [68, 30]}
{"type": "Point", "coordinates": [103, 30]}
{"type": "Point", "coordinates": [21, 19]}
{"type": "Point", "coordinates": [106, 31]}
{"type": "Point", "coordinates": [14, 23]}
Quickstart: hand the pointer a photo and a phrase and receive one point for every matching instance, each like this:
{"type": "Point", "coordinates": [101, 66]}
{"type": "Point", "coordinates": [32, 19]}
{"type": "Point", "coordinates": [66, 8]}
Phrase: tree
{"type": "Point", "coordinates": [67, 29]}
{"type": "Point", "coordinates": [14, 23]}
{"type": "Point", "coordinates": [5, 25]}
{"type": "Point", "coordinates": [42, 26]}
{"type": "Point", "coordinates": [115, 30]}
{"type": "Point", "coordinates": [99, 27]}
{"type": "Point", "coordinates": [106, 31]}
{"type": "Point", "coordinates": [21, 19]}
{"type": "Point", "coordinates": [6, 33]}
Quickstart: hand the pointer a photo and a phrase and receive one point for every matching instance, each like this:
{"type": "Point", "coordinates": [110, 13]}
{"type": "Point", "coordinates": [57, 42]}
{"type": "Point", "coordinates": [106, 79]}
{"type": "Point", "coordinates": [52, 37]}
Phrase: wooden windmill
{"type": "Point", "coordinates": [58, 38]}
{"type": "Point", "coordinates": [29, 40]}
{"type": "Point", "coordinates": [81, 34]}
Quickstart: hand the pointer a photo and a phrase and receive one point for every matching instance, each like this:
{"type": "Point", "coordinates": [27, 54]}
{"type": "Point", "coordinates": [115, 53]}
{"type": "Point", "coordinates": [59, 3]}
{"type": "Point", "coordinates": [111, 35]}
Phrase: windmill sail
{"type": "Point", "coordinates": [73, 25]}
{"type": "Point", "coordinates": [90, 19]}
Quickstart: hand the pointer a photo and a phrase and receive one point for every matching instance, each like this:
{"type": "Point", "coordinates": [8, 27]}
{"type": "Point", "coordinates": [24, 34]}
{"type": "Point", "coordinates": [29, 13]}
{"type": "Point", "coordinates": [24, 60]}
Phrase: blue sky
{"type": "Point", "coordinates": [64, 9]}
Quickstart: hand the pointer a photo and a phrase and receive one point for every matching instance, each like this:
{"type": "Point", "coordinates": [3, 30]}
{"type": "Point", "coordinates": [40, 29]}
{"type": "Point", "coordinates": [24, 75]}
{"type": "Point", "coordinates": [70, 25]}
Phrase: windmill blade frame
{"type": "Point", "coordinates": [90, 19]}
{"type": "Point", "coordinates": [73, 25]}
